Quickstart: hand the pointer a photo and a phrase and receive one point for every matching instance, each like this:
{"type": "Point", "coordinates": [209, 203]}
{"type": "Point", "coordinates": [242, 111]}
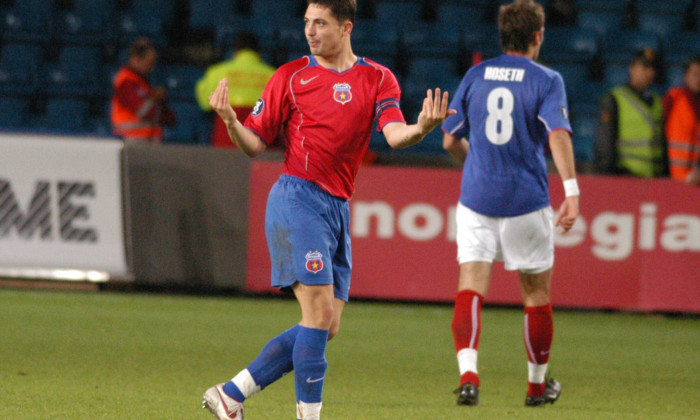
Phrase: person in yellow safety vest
{"type": "Point", "coordinates": [139, 111]}
{"type": "Point", "coordinates": [247, 76]}
{"type": "Point", "coordinates": [630, 136]}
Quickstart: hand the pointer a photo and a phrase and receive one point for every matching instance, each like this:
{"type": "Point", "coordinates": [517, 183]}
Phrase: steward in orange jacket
{"type": "Point", "coordinates": [682, 106]}
{"type": "Point", "coordinates": [138, 111]}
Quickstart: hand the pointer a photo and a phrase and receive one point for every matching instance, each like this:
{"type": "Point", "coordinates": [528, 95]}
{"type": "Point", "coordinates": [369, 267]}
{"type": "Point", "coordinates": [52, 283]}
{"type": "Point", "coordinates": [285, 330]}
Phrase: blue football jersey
{"type": "Point", "coordinates": [506, 107]}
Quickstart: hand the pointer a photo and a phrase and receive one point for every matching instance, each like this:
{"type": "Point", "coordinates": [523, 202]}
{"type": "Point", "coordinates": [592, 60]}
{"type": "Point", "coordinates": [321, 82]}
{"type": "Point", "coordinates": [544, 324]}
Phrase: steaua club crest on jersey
{"type": "Point", "coordinates": [341, 93]}
{"type": "Point", "coordinates": [314, 261]}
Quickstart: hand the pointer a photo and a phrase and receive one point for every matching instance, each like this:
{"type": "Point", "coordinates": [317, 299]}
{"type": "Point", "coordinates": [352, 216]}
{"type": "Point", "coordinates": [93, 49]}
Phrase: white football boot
{"type": "Point", "coordinates": [221, 405]}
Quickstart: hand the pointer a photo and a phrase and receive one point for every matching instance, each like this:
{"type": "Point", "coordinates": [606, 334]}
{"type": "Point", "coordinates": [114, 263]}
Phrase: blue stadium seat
{"type": "Point", "coordinates": [423, 39]}
{"type": "Point", "coordinates": [619, 45]}
{"type": "Point", "coordinates": [616, 74]}
{"type": "Point", "coordinates": [19, 68]}
{"type": "Point", "coordinates": [133, 25]}
{"type": "Point", "coordinates": [14, 111]}
{"type": "Point", "coordinates": [164, 10]}
{"type": "Point", "coordinates": [484, 39]}
{"type": "Point", "coordinates": [77, 72]}
{"type": "Point", "coordinates": [28, 21]}
{"type": "Point", "coordinates": [601, 5]}
{"type": "Point", "coordinates": [405, 11]}
{"type": "Point", "coordinates": [88, 22]}
{"type": "Point", "coordinates": [179, 80]}
{"type": "Point", "coordinates": [189, 126]}
{"type": "Point", "coordinates": [599, 21]}
{"type": "Point", "coordinates": [373, 38]}
{"type": "Point", "coordinates": [566, 45]}
{"type": "Point", "coordinates": [584, 127]}
{"type": "Point", "coordinates": [663, 25]}
{"type": "Point", "coordinates": [64, 114]}
{"type": "Point", "coordinates": [575, 79]}
{"type": "Point", "coordinates": [461, 15]}
{"type": "Point", "coordinates": [225, 33]}
{"type": "Point", "coordinates": [676, 7]}
{"type": "Point", "coordinates": [674, 75]}
{"type": "Point", "coordinates": [209, 14]}
{"type": "Point", "coordinates": [678, 47]}
{"type": "Point", "coordinates": [278, 11]}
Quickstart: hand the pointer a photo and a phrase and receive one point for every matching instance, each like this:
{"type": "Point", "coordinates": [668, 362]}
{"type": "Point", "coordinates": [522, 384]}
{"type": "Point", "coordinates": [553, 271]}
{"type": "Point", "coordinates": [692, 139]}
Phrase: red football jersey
{"type": "Point", "coordinates": [327, 118]}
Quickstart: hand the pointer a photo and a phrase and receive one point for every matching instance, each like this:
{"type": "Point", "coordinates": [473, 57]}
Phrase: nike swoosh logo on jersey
{"type": "Point", "coordinates": [303, 82]}
{"type": "Point", "coordinates": [310, 381]}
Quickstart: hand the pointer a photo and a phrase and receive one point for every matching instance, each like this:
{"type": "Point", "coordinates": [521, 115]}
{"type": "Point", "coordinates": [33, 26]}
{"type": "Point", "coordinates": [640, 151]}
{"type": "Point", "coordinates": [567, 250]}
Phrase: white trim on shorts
{"type": "Point", "coordinates": [524, 243]}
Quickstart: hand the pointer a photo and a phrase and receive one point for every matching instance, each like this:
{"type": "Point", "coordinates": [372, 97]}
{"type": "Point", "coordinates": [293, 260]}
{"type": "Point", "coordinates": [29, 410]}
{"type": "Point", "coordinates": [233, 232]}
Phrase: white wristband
{"type": "Point", "coordinates": [571, 187]}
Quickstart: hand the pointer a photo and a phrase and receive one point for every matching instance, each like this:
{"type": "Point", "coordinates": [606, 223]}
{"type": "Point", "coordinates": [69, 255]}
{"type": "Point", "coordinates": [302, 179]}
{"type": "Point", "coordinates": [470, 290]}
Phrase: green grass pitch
{"type": "Point", "coordinates": [71, 355]}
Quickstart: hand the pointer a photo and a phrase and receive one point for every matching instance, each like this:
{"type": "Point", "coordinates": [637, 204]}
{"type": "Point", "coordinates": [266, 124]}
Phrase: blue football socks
{"type": "Point", "coordinates": [310, 363]}
{"type": "Point", "coordinates": [273, 362]}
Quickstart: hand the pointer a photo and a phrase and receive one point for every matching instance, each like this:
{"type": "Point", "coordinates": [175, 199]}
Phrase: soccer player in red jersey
{"type": "Point", "coordinates": [326, 104]}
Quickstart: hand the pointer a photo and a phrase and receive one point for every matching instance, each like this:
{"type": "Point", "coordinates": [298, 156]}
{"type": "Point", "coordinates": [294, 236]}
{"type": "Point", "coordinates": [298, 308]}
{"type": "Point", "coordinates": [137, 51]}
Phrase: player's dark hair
{"type": "Point", "coordinates": [341, 9]}
{"type": "Point", "coordinates": [140, 48]}
{"type": "Point", "coordinates": [517, 24]}
{"type": "Point", "coordinates": [692, 60]}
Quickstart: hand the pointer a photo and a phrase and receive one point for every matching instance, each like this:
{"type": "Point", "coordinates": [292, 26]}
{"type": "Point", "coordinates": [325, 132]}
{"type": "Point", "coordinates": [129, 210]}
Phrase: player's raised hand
{"type": "Point", "coordinates": [219, 101]}
{"type": "Point", "coordinates": [434, 110]}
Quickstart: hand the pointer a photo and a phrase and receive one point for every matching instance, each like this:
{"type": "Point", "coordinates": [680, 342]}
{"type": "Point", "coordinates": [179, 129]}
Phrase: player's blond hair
{"type": "Point", "coordinates": [517, 24]}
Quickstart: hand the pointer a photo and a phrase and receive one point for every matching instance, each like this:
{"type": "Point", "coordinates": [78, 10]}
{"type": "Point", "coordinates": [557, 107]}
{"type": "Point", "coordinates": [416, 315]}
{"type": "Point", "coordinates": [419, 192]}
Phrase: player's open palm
{"type": "Point", "coordinates": [219, 101]}
{"type": "Point", "coordinates": [434, 110]}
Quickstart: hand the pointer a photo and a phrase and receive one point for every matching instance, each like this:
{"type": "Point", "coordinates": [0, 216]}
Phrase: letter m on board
{"type": "Point", "coordinates": [36, 218]}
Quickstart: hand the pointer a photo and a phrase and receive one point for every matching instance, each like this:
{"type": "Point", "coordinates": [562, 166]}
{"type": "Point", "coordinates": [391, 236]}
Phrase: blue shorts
{"type": "Point", "coordinates": [308, 236]}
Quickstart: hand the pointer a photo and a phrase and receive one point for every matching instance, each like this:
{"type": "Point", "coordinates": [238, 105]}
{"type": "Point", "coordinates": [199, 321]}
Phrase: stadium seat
{"type": "Point", "coordinates": [575, 79]}
{"type": "Point", "coordinates": [77, 72]}
{"type": "Point", "coordinates": [616, 74]}
{"type": "Point", "coordinates": [584, 127]}
{"type": "Point", "coordinates": [133, 25]}
{"type": "Point", "coordinates": [434, 39]}
{"type": "Point", "coordinates": [674, 75]}
{"type": "Point", "coordinates": [28, 21]}
{"type": "Point", "coordinates": [87, 22]}
{"type": "Point", "coordinates": [14, 111]}
{"type": "Point", "coordinates": [676, 7]}
{"type": "Point", "coordinates": [567, 45]}
{"type": "Point", "coordinates": [663, 25]}
{"type": "Point", "coordinates": [619, 45]}
{"type": "Point", "coordinates": [19, 68]}
{"type": "Point", "coordinates": [406, 11]}
{"type": "Point", "coordinates": [461, 15]}
{"type": "Point", "coordinates": [64, 114]}
{"type": "Point", "coordinates": [599, 21]}
{"type": "Point", "coordinates": [677, 48]}
{"type": "Point", "coordinates": [179, 80]}
{"type": "Point", "coordinates": [373, 38]}
{"type": "Point", "coordinates": [209, 14]}
{"type": "Point", "coordinates": [279, 11]}
{"type": "Point", "coordinates": [601, 5]}
{"type": "Point", "coordinates": [189, 126]}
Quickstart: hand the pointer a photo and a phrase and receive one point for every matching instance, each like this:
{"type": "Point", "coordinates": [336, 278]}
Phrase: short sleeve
{"type": "Point", "coordinates": [457, 125]}
{"type": "Point", "coordinates": [271, 110]}
{"type": "Point", "coordinates": [554, 111]}
{"type": "Point", "coordinates": [388, 101]}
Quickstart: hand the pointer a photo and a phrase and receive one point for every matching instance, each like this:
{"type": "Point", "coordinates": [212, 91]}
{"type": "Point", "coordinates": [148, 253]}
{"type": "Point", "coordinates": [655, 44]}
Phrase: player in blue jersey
{"type": "Point", "coordinates": [325, 104]}
{"type": "Point", "coordinates": [509, 109]}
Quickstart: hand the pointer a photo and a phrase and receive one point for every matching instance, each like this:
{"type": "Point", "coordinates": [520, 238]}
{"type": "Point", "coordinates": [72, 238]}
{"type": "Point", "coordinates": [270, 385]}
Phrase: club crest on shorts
{"type": "Point", "coordinates": [342, 93]}
{"type": "Point", "coordinates": [314, 261]}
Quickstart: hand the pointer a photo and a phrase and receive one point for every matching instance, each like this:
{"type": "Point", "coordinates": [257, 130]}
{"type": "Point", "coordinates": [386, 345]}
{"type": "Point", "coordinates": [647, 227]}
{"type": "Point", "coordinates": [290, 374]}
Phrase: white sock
{"type": "Point", "coordinates": [245, 383]}
{"type": "Point", "coordinates": [309, 411]}
{"type": "Point", "coordinates": [535, 373]}
{"type": "Point", "coordinates": [466, 358]}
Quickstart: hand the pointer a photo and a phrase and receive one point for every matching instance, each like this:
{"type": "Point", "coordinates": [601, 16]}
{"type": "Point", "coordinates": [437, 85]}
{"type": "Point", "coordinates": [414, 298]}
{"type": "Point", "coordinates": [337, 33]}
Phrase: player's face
{"type": "Point", "coordinates": [323, 31]}
{"type": "Point", "coordinates": [692, 78]}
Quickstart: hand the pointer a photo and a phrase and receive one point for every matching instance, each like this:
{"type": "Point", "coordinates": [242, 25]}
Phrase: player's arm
{"type": "Point", "coordinates": [458, 147]}
{"type": "Point", "coordinates": [400, 135]}
{"type": "Point", "coordinates": [563, 154]}
{"type": "Point", "coordinates": [243, 138]}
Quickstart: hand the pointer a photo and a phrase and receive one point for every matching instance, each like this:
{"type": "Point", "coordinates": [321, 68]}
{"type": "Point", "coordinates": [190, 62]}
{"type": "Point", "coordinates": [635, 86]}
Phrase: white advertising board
{"type": "Point", "coordinates": [61, 208]}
